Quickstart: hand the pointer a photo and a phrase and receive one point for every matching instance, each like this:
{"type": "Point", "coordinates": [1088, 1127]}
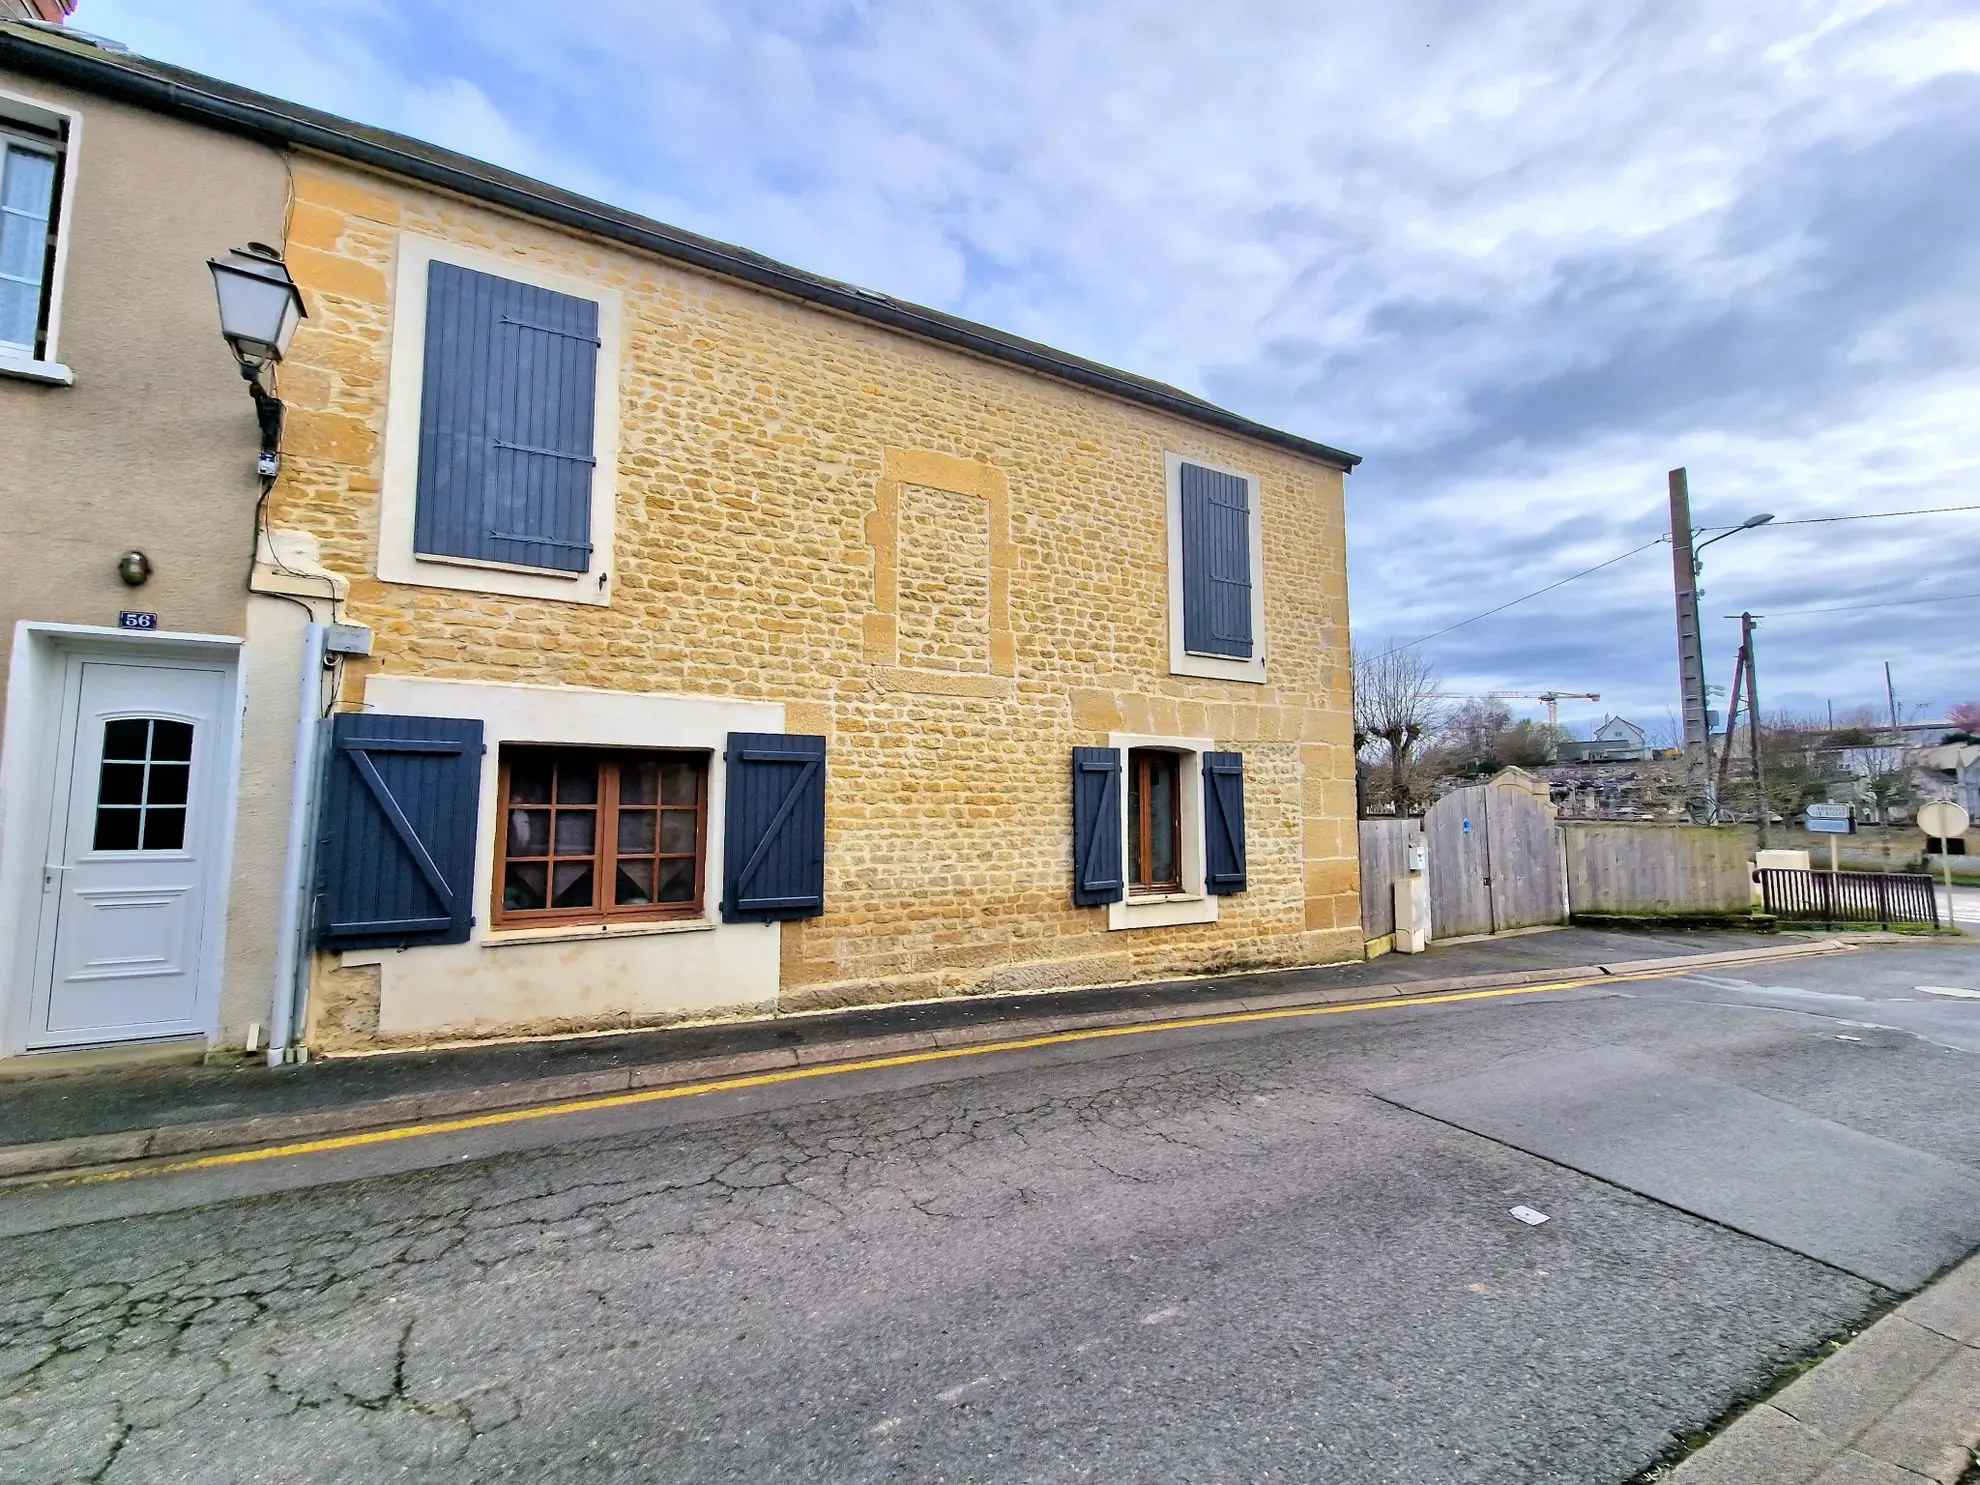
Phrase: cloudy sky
{"type": "Point", "coordinates": [1525, 259]}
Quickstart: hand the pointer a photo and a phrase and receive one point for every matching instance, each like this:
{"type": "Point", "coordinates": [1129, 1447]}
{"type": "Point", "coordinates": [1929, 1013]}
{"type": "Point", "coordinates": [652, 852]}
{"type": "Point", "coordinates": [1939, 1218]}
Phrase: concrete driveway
{"type": "Point", "coordinates": [1265, 1251]}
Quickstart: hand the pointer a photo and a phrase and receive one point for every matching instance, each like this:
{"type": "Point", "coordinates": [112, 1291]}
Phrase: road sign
{"type": "Point", "coordinates": [1943, 820]}
{"type": "Point", "coordinates": [1829, 819]}
{"type": "Point", "coordinates": [1828, 812]}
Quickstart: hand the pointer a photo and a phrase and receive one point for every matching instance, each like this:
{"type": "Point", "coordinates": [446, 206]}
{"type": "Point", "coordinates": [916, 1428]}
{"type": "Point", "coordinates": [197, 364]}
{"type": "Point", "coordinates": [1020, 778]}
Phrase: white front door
{"type": "Point", "coordinates": [133, 843]}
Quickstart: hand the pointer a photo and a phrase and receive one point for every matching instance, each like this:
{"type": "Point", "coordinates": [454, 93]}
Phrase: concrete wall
{"type": "Point", "coordinates": [1654, 869]}
{"type": "Point", "coordinates": [805, 507]}
{"type": "Point", "coordinates": [152, 448]}
{"type": "Point", "coordinates": [1871, 848]}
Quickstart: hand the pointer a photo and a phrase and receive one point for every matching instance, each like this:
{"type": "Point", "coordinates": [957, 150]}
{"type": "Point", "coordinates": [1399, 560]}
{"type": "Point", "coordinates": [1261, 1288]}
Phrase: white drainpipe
{"type": "Point", "coordinates": [290, 961]}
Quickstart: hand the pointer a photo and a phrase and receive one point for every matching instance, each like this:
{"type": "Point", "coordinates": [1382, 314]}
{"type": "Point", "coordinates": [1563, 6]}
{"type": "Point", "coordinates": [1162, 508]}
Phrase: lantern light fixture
{"type": "Point", "coordinates": [260, 307]}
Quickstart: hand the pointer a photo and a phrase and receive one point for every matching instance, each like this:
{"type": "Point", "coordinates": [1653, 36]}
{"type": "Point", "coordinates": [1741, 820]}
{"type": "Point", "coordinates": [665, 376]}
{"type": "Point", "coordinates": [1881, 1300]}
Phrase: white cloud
{"type": "Point", "coordinates": [1525, 259]}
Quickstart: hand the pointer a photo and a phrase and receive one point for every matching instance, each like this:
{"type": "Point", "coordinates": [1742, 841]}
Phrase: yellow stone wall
{"type": "Point", "coordinates": [953, 568]}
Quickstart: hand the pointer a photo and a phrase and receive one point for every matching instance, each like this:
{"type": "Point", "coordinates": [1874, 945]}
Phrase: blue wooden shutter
{"type": "Point", "coordinates": [505, 422]}
{"type": "Point", "coordinates": [1223, 822]}
{"type": "Point", "coordinates": [1216, 562]}
{"type": "Point", "coordinates": [395, 855]}
{"type": "Point", "coordinates": [1097, 876]}
{"type": "Point", "coordinates": [773, 841]}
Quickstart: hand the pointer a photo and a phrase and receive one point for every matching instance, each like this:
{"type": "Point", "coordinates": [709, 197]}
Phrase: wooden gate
{"type": "Point", "coordinates": [1495, 860]}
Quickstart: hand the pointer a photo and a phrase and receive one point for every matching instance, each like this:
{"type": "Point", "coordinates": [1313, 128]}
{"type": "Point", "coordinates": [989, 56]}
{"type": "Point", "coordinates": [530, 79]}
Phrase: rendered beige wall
{"type": "Point", "coordinates": [802, 499]}
{"type": "Point", "coordinates": [153, 449]}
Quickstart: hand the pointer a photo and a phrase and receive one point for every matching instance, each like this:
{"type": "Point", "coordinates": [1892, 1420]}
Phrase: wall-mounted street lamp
{"type": "Point", "coordinates": [260, 307]}
{"type": "Point", "coordinates": [1698, 564]}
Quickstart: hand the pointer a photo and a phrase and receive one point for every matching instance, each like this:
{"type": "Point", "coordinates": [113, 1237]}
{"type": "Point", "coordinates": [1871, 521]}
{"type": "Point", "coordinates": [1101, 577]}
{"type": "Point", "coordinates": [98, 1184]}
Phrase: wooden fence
{"type": "Point", "coordinates": [1653, 870]}
{"type": "Point", "coordinates": [1384, 857]}
{"type": "Point", "coordinates": [1497, 860]}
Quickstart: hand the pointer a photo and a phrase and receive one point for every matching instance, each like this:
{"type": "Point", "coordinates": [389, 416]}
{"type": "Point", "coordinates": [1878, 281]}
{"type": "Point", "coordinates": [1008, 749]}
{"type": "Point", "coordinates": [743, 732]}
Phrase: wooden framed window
{"type": "Point", "coordinates": [596, 836]}
{"type": "Point", "coordinates": [1154, 821]}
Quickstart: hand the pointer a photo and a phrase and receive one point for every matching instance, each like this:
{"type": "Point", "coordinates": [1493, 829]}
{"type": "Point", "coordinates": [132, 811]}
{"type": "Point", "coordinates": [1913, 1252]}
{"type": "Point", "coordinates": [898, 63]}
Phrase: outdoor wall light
{"type": "Point", "coordinates": [260, 307]}
{"type": "Point", "coordinates": [134, 568]}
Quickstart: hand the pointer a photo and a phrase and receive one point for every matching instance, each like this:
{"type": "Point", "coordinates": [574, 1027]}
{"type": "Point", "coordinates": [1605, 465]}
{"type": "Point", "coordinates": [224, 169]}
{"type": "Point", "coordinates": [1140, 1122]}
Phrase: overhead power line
{"type": "Point", "coordinates": [1851, 608]}
{"type": "Point", "coordinates": [1513, 602]}
{"type": "Point", "coordinates": [1875, 515]}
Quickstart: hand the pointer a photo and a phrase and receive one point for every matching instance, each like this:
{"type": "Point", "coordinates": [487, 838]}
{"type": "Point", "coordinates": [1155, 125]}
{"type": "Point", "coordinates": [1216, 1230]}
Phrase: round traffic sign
{"type": "Point", "coordinates": [1942, 820]}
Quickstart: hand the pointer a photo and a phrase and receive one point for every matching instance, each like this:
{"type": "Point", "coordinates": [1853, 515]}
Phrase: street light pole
{"type": "Point", "coordinates": [1691, 646]}
{"type": "Point", "coordinates": [1685, 567]}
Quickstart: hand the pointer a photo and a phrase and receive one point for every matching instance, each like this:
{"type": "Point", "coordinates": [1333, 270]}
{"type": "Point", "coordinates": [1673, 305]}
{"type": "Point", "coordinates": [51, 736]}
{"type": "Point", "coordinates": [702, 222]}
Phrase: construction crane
{"type": "Point", "coordinates": [1553, 699]}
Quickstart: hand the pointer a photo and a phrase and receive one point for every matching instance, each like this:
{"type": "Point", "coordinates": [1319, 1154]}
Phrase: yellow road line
{"type": "Point", "coordinates": [797, 1074]}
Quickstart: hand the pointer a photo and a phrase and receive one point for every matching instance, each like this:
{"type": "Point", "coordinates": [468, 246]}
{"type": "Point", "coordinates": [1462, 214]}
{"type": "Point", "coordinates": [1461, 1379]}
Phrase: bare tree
{"type": "Point", "coordinates": [1395, 707]}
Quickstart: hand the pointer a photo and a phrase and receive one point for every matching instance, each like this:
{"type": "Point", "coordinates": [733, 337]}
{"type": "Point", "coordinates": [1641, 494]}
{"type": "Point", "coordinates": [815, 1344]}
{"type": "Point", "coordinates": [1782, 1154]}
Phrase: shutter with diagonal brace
{"type": "Point", "coordinates": [505, 422]}
{"type": "Point", "coordinates": [1223, 823]}
{"type": "Point", "coordinates": [395, 858]}
{"type": "Point", "coordinates": [1216, 562]}
{"type": "Point", "coordinates": [1097, 877]}
{"type": "Point", "coordinates": [773, 840]}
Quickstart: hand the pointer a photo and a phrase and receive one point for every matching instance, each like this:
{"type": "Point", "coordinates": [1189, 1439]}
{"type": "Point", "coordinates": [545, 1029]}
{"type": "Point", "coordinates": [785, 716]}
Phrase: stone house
{"type": "Point", "coordinates": [742, 640]}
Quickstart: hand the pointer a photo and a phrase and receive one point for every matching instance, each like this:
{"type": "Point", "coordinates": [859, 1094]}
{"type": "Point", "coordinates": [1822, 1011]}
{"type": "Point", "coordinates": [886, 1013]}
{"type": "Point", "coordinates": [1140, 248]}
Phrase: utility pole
{"type": "Point", "coordinates": [1760, 811]}
{"type": "Point", "coordinates": [1732, 724]}
{"type": "Point", "coordinates": [1890, 695]}
{"type": "Point", "coordinates": [1691, 648]}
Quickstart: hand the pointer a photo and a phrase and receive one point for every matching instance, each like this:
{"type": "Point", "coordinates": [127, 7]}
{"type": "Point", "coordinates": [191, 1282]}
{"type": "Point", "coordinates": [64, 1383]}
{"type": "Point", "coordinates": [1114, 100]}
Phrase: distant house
{"type": "Point", "coordinates": [1950, 772]}
{"type": "Point", "coordinates": [1618, 740]}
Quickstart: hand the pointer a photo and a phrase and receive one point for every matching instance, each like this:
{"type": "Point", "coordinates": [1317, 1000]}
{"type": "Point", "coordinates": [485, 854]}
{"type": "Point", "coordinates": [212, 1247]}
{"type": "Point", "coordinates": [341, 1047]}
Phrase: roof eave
{"type": "Point", "coordinates": [238, 110]}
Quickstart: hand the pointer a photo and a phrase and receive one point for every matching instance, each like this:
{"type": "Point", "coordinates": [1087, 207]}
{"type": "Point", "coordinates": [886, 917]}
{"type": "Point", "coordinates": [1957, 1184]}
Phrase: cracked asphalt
{"type": "Point", "coordinates": [1212, 1255]}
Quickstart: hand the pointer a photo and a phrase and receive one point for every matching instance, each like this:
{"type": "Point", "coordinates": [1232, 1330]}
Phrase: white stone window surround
{"type": "Point", "coordinates": [67, 123]}
{"type": "Point", "coordinates": [399, 499]}
{"type": "Point", "coordinates": [1213, 667]}
{"type": "Point", "coordinates": [1192, 904]}
{"type": "Point", "coordinates": [533, 976]}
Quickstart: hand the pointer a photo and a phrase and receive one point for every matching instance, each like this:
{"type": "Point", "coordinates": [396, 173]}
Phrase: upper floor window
{"type": "Point", "coordinates": [29, 172]}
{"type": "Point", "coordinates": [1216, 573]}
{"type": "Point", "coordinates": [501, 427]}
{"type": "Point", "coordinates": [505, 422]}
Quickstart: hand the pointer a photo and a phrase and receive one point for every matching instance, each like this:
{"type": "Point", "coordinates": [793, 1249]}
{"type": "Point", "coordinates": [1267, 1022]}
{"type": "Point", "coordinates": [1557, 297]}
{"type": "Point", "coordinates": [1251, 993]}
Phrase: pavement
{"type": "Point", "coordinates": [1897, 1405]}
{"type": "Point", "coordinates": [1230, 1250]}
{"type": "Point", "coordinates": [75, 1120]}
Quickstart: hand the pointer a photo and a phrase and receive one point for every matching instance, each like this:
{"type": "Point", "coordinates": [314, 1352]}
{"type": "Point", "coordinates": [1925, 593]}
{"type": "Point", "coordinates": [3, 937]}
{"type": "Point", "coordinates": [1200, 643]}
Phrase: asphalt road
{"type": "Point", "coordinates": [1963, 904]}
{"type": "Point", "coordinates": [1276, 1251]}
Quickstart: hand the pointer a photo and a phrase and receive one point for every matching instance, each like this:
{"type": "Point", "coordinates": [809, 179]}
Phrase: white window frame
{"type": "Point", "coordinates": [1193, 903]}
{"type": "Point", "coordinates": [399, 497]}
{"type": "Point", "coordinates": [1213, 667]}
{"type": "Point", "coordinates": [19, 108]}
